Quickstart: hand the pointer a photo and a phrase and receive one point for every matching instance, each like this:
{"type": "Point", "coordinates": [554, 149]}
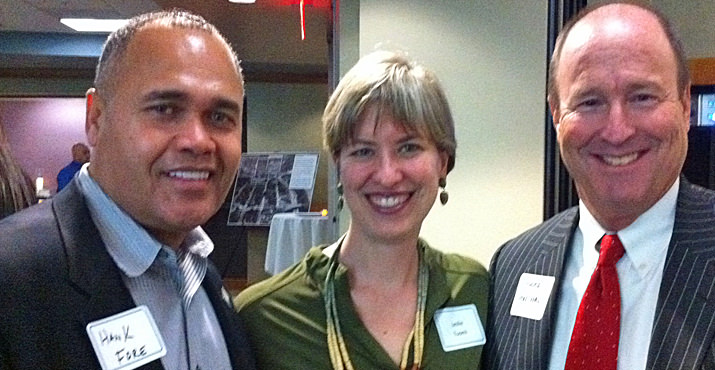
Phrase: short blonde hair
{"type": "Point", "coordinates": [406, 90]}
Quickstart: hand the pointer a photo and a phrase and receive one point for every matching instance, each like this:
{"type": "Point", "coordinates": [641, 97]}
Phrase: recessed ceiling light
{"type": "Point", "coordinates": [93, 25]}
{"type": "Point", "coordinates": [242, 1]}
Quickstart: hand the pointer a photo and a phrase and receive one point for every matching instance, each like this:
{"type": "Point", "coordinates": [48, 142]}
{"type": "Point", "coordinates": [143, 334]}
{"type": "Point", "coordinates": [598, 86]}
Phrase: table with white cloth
{"type": "Point", "coordinates": [290, 237]}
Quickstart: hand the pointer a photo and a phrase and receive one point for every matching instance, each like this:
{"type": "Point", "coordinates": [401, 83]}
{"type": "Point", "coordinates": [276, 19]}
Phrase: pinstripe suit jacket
{"type": "Point", "coordinates": [684, 325]}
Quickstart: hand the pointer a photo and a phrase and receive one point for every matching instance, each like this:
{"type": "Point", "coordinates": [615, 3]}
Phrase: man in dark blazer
{"type": "Point", "coordinates": [619, 92]}
{"type": "Point", "coordinates": [97, 277]}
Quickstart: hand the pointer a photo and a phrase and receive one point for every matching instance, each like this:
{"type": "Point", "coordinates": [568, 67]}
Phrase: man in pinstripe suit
{"type": "Point", "coordinates": [619, 93]}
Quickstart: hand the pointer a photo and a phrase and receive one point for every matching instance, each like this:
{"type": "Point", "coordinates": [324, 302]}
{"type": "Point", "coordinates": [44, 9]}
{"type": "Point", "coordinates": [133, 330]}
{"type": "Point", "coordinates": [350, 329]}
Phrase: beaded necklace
{"type": "Point", "coordinates": [336, 343]}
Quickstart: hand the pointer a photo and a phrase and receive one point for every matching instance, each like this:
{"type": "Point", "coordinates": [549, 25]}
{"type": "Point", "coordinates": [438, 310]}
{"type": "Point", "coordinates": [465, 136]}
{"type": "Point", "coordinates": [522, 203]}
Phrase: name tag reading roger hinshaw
{"type": "Point", "coordinates": [126, 340]}
{"type": "Point", "coordinates": [532, 295]}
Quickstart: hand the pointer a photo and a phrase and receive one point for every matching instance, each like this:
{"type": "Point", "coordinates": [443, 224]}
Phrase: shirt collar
{"type": "Point", "coordinates": [198, 243]}
{"type": "Point", "coordinates": [132, 248]}
{"type": "Point", "coordinates": [649, 234]}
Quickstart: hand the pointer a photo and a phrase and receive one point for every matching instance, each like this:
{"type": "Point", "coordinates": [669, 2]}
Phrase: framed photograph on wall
{"type": "Point", "coordinates": [270, 183]}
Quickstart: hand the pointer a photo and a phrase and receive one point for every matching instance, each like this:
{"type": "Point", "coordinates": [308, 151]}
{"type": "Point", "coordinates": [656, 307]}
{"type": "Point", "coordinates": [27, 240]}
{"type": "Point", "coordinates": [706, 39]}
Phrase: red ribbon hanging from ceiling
{"type": "Point", "coordinates": [314, 3]}
{"type": "Point", "coordinates": [302, 19]}
{"type": "Point", "coordinates": [302, 4]}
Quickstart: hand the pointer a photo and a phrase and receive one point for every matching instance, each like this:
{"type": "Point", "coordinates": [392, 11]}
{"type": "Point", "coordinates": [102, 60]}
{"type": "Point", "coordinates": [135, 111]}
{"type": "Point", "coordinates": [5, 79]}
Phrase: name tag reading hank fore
{"type": "Point", "coordinates": [532, 295]}
{"type": "Point", "coordinates": [126, 340]}
{"type": "Point", "coordinates": [459, 327]}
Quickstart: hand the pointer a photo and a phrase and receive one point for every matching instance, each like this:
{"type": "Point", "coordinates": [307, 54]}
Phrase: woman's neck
{"type": "Point", "coordinates": [381, 275]}
{"type": "Point", "coordinates": [379, 263]}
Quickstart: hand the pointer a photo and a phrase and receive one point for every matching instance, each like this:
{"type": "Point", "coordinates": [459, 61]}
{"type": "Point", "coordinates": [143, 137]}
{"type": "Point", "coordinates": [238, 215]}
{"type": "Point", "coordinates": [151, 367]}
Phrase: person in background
{"type": "Point", "coordinates": [112, 271]}
{"type": "Point", "coordinates": [80, 156]}
{"type": "Point", "coordinates": [380, 297]}
{"type": "Point", "coordinates": [625, 279]}
{"type": "Point", "coordinates": [16, 188]}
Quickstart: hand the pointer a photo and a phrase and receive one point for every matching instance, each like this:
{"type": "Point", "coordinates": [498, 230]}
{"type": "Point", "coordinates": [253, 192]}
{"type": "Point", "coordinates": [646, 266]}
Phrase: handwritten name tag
{"type": "Point", "coordinates": [532, 295]}
{"type": "Point", "coordinates": [459, 327]}
{"type": "Point", "coordinates": [126, 340]}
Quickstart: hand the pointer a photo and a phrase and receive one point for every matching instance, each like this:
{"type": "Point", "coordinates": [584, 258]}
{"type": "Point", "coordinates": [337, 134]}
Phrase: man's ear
{"type": "Point", "coordinates": [555, 112]}
{"type": "Point", "coordinates": [685, 101]}
{"type": "Point", "coordinates": [92, 116]}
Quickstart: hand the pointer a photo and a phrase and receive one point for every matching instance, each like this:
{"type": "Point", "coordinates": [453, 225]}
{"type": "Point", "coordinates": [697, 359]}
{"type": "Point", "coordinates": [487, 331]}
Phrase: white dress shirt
{"type": "Point", "coordinates": [640, 272]}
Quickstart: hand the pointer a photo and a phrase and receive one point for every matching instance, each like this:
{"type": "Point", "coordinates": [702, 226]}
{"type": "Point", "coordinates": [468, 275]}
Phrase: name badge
{"type": "Point", "coordinates": [532, 295]}
{"type": "Point", "coordinates": [459, 327]}
{"type": "Point", "coordinates": [126, 340]}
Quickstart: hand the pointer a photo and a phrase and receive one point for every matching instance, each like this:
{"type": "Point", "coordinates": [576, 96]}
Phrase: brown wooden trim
{"type": "Point", "coordinates": [40, 73]}
{"type": "Point", "coordinates": [250, 76]}
{"type": "Point", "coordinates": [702, 71]}
{"type": "Point", "coordinates": [279, 77]}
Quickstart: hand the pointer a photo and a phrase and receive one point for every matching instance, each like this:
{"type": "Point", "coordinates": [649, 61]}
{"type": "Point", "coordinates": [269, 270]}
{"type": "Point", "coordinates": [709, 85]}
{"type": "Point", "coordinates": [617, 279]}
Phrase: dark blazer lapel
{"type": "Point", "coordinates": [539, 251]}
{"type": "Point", "coordinates": [91, 270]}
{"type": "Point", "coordinates": [556, 240]}
{"type": "Point", "coordinates": [233, 330]}
{"type": "Point", "coordinates": [684, 324]}
{"type": "Point", "coordinates": [550, 262]}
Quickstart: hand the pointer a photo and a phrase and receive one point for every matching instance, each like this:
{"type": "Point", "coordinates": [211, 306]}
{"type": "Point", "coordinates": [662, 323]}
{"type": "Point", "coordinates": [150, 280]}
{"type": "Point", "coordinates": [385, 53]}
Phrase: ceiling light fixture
{"type": "Point", "coordinates": [242, 1]}
{"type": "Point", "coordinates": [93, 25]}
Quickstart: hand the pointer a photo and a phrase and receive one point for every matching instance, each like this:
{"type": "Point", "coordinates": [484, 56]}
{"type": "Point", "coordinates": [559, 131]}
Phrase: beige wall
{"type": "Point", "coordinates": [490, 57]}
{"type": "Point", "coordinates": [694, 20]}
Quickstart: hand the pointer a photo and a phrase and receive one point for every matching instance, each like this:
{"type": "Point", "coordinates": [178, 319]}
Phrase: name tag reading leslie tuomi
{"type": "Point", "coordinates": [126, 340]}
{"type": "Point", "coordinates": [459, 327]}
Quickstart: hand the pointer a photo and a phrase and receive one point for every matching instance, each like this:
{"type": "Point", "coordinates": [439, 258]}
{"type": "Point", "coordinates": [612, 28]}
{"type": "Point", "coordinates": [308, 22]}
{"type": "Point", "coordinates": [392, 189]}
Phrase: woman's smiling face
{"type": "Point", "coordinates": [390, 177]}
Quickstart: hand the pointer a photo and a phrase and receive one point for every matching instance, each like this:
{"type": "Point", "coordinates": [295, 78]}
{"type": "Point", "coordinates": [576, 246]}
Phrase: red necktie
{"type": "Point", "coordinates": [594, 342]}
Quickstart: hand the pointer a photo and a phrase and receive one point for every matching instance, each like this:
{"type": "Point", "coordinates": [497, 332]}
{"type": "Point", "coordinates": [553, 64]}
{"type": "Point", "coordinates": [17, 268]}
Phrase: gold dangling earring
{"type": "Point", "coordinates": [339, 190]}
{"type": "Point", "coordinates": [443, 195]}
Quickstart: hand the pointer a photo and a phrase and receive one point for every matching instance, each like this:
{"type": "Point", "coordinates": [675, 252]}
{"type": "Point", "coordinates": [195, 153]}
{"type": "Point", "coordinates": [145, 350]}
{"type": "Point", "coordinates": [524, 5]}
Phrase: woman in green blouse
{"type": "Point", "coordinates": [380, 297]}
